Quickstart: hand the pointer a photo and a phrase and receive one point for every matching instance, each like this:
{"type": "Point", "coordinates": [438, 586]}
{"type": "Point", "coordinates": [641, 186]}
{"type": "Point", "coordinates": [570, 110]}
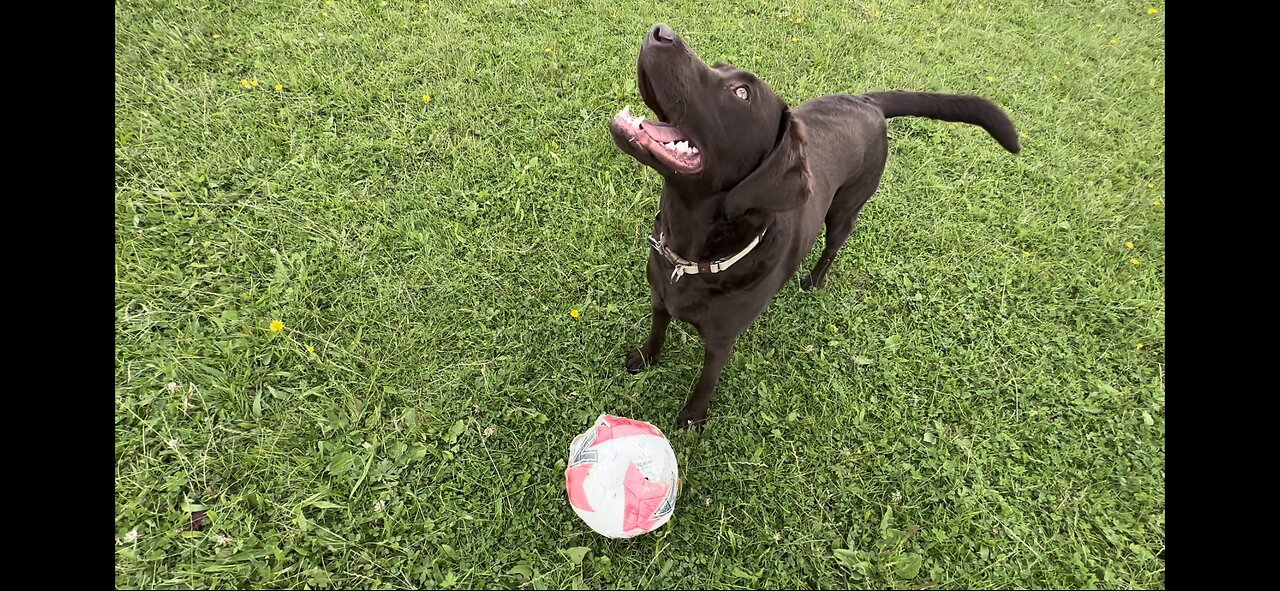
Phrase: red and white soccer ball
{"type": "Point", "coordinates": [622, 477]}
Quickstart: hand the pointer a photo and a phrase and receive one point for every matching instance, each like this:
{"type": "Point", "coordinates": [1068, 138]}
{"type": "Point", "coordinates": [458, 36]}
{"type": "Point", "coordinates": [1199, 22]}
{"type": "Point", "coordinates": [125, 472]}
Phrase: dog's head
{"type": "Point", "coordinates": [719, 128]}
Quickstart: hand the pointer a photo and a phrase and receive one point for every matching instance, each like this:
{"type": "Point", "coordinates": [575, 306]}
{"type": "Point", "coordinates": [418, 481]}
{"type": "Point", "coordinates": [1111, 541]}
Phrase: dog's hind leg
{"type": "Point", "coordinates": [841, 220]}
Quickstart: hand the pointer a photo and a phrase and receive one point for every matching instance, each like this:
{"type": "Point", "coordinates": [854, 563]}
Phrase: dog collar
{"type": "Point", "coordinates": [685, 266]}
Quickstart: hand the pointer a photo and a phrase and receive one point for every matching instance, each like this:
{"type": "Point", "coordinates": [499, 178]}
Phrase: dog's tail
{"type": "Point", "coordinates": [950, 107]}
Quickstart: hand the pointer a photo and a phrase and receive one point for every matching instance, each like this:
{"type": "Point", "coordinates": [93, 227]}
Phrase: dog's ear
{"type": "Point", "coordinates": [781, 182]}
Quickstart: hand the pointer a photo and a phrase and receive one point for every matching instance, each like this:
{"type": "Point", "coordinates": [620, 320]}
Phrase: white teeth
{"type": "Point", "coordinates": [681, 147]}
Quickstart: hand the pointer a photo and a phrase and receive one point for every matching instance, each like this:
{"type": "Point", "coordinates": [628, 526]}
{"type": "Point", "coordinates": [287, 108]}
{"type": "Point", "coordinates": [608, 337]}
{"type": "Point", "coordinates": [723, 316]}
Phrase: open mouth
{"type": "Point", "coordinates": [666, 142]}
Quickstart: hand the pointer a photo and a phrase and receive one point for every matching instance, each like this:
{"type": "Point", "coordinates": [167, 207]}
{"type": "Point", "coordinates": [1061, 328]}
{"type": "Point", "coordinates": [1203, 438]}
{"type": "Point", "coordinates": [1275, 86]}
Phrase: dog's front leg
{"type": "Point", "coordinates": [647, 354]}
{"type": "Point", "coordinates": [715, 355]}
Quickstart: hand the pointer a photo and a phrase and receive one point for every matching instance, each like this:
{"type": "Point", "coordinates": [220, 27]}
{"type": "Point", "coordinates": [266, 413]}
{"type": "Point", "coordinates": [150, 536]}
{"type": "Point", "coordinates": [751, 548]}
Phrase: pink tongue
{"type": "Point", "coordinates": [663, 133]}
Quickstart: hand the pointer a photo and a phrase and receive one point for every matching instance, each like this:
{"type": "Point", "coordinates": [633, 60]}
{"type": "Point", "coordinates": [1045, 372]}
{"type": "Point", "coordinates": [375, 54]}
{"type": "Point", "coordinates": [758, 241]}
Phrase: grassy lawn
{"type": "Point", "coordinates": [975, 400]}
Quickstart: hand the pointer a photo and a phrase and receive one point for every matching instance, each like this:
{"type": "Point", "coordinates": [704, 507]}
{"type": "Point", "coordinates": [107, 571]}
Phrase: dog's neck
{"type": "Point", "coordinates": [696, 227]}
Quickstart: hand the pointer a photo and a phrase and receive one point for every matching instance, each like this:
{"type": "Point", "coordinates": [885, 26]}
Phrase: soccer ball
{"type": "Point", "coordinates": [622, 477]}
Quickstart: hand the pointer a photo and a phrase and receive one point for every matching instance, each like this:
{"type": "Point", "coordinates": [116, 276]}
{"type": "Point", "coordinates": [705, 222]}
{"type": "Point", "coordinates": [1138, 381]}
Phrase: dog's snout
{"type": "Point", "coordinates": [663, 34]}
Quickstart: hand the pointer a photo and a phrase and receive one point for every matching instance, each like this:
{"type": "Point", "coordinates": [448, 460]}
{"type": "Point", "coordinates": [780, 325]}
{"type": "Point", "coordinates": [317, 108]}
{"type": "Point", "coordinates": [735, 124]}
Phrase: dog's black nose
{"type": "Point", "coordinates": [663, 34]}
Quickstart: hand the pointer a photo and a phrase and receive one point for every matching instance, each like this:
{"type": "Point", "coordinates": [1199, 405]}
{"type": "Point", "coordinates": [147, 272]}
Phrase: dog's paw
{"type": "Point", "coordinates": [809, 284]}
{"type": "Point", "coordinates": [637, 361]}
{"type": "Point", "coordinates": [691, 418]}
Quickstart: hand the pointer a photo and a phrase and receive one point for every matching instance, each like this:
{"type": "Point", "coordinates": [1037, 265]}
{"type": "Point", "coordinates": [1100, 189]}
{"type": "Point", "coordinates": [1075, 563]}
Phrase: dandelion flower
{"type": "Point", "coordinates": [1135, 261]}
{"type": "Point", "coordinates": [426, 98]}
{"type": "Point", "coordinates": [311, 349]}
{"type": "Point", "coordinates": [575, 313]}
{"type": "Point", "coordinates": [279, 88]}
{"type": "Point", "coordinates": [1139, 346]}
{"type": "Point", "coordinates": [277, 326]}
{"type": "Point", "coordinates": [1129, 245]}
{"type": "Point", "coordinates": [1152, 10]}
{"type": "Point", "coordinates": [1157, 203]}
{"type": "Point", "coordinates": [217, 35]}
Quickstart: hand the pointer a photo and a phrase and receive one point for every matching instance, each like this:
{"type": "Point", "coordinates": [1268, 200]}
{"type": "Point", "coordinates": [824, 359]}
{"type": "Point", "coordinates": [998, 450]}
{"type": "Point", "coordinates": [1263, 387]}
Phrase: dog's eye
{"type": "Point", "coordinates": [742, 93]}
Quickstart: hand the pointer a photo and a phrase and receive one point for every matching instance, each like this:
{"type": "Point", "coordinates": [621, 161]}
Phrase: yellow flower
{"type": "Point", "coordinates": [253, 83]}
{"type": "Point", "coordinates": [311, 349]}
{"type": "Point", "coordinates": [991, 78]}
{"type": "Point", "coordinates": [1055, 77]}
{"type": "Point", "coordinates": [244, 82]}
{"type": "Point", "coordinates": [1157, 203]}
{"type": "Point", "coordinates": [279, 88]}
{"type": "Point", "coordinates": [799, 20]}
{"type": "Point", "coordinates": [1151, 185]}
{"type": "Point", "coordinates": [1151, 10]}
{"type": "Point", "coordinates": [979, 7]}
{"type": "Point", "coordinates": [426, 98]}
{"type": "Point", "coordinates": [794, 39]}
{"type": "Point", "coordinates": [877, 14]}
{"type": "Point", "coordinates": [1026, 253]}
{"type": "Point", "coordinates": [324, 13]}
{"type": "Point", "coordinates": [1139, 346]}
{"type": "Point", "coordinates": [1135, 262]}
{"type": "Point", "coordinates": [1100, 25]}
{"type": "Point", "coordinates": [1115, 41]}
{"type": "Point", "coordinates": [1129, 245]}
{"type": "Point", "coordinates": [217, 35]}
{"type": "Point", "coordinates": [328, 2]}
{"type": "Point", "coordinates": [575, 313]}
{"type": "Point", "coordinates": [277, 326]}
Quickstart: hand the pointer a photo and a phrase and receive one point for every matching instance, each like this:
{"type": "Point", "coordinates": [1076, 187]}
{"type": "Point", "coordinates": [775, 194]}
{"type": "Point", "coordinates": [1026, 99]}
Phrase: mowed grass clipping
{"type": "Point", "coordinates": [350, 236]}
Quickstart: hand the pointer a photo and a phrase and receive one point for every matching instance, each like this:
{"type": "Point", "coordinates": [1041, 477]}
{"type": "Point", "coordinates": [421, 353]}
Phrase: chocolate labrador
{"type": "Point", "coordinates": [748, 184]}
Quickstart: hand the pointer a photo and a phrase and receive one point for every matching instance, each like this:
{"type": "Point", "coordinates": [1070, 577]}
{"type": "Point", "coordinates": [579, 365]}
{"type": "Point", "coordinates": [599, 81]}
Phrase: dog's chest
{"type": "Point", "coordinates": [739, 293]}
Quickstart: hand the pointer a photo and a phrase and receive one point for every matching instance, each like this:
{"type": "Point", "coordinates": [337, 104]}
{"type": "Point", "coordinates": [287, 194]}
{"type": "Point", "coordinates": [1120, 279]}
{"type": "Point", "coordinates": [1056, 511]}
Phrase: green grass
{"type": "Point", "coordinates": [967, 395]}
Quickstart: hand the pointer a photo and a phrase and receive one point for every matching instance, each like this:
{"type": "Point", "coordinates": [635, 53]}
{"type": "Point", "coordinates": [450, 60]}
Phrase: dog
{"type": "Point", "coordinates": [748, 183]}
